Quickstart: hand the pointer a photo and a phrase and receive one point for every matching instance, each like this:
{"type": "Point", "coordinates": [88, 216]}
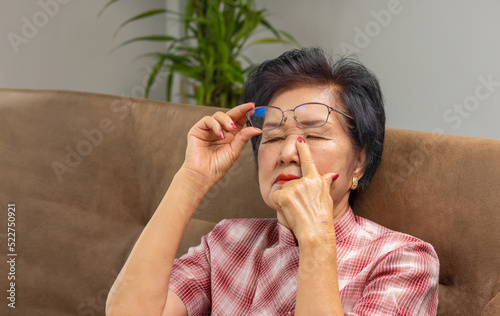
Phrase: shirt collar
{"type": "Point", "coordinates": [344, 226]}
{"type": "Point", "coordinates": [285, 236]}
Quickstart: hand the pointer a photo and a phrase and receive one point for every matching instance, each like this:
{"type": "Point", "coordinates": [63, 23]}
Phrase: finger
{"type": "Point", "coordinates": [276, 197]}
{"type": "Point", "coordinates": [307, 164]}
{"type": "Point", "coordinates": [225, 121]}
{"type": "Point", "coordinates": [209, 123]}
{"type": "Point", "coordinates": [329, 178]}
{"type": "Point", "coordinates": [241, 122]}
{"type": "Point", "coordinates": [242, 137]}
{"type": "Point", "coordinates": [238, 113]}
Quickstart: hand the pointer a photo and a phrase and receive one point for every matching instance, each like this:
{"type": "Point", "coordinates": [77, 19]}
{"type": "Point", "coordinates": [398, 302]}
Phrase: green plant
{"type": "Point", "coordinates": [210, 56]}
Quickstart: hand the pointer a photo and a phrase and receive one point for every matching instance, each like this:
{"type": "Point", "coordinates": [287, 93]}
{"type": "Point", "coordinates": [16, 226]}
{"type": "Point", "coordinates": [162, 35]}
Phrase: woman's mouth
{"type": "Point", "coordinates": [284, 178]}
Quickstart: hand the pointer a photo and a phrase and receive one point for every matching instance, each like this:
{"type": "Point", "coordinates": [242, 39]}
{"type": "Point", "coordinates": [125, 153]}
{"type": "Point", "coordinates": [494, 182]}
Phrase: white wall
{"type": "Point", "coordinates": [70, 47]}
{"type": "Point", "coordinates": [429, 56]}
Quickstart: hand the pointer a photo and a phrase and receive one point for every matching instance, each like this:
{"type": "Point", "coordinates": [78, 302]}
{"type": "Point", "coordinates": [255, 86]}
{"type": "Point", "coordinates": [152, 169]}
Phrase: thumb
{"type": "Point", "coordinates": [329, 178]}
{"type": "Point", "coordinates": [242, 137]}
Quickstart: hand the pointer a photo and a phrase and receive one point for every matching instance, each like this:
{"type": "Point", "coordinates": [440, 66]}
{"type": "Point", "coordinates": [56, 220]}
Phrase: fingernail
{"type": "Point", "coordinates": [233, 126]}
{"type": "Point", "coordinates": [335, 177]}
{"type": "Point", "coordinates": [253, 103]}
{"type": "Point", "coordinates": [222, 134]}
{"type": "Point", "coordinates": [301, 140]}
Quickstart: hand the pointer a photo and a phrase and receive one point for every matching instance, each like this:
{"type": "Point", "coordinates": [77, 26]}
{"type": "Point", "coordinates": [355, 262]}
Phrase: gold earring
{"type": "Point", "coordinates": [354, 183]}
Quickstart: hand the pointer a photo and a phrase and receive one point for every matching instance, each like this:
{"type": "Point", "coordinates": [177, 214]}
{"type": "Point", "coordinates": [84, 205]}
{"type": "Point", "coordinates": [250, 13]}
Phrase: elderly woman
{"type": "Point", "coordinates": [317, 129]}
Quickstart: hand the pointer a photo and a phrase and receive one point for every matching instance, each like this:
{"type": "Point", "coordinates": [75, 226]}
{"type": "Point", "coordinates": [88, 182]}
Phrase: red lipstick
{"type": "Point", "coordinates": [283, 178]}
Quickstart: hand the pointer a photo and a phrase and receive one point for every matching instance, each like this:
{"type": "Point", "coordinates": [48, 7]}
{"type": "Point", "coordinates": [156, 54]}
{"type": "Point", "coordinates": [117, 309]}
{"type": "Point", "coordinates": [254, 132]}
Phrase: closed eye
{"type": "Point", "coordinates": [273, 140]}
{"type": "Point", "coordinates": [314, 137]}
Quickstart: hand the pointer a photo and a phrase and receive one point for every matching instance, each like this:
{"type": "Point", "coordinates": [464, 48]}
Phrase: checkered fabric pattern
{"type": "Point", "coordinates": [250, 267]}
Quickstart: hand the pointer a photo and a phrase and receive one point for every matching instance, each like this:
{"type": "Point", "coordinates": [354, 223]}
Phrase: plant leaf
{"type": "Point", "coordinates": [172, 57]}
{"type": "Point", "coordinates": [199, 95]}
{"type": "Point", "coordinates": [188, 14]}
{"type": "Point", "coordinates": [105, 7]}
{"type": "Point", "coordinates": [222, 51]}
{"type": "Point", "coordinates": [209, 56]}
{"type": "Point", "coordinates": [140, 16]}
{"type": "Point", "coordinates": [291, 38]}
{"type": "Point", "coordinates": [234, 73]}
{"type": "Point", "coordinates": [153, 75]}
{"type": "Point", "coordinates": [269, 40]}
{"type": "Point", "coordinates": [268, 26]}
{"type": "Point", "coordinates": [169, 85]}
{"type": "Point", "coordinates": [153, 38]}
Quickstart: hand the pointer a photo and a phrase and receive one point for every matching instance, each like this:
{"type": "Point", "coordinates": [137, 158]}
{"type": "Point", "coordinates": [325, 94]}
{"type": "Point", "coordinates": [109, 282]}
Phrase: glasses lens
{"type": "Point", "coordinates": [312, 114]}
{"type": "Point", "coordinates": [265, 118]}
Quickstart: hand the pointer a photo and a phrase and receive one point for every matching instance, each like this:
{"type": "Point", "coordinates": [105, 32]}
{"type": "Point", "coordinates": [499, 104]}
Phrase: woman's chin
{"type": "Point", "coordinates": [268, 197]}
{"type": "Point", "coordinates": [270, 202]}
{"type": "Point", "coordinates": [276, 207]}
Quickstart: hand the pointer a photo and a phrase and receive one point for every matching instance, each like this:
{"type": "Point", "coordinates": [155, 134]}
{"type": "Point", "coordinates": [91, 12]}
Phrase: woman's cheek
{"type": "Point", "coordinates": [265, 175]}
{"type": "Point", "coordinates": [267, 191]}
{"type": "Point", "coordinates": [322, 156]}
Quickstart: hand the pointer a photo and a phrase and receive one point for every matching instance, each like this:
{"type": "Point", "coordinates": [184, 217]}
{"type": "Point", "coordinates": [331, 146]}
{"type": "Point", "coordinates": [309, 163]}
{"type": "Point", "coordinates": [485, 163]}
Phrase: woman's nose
{"type": "Point", "coordinates": [289, 153]}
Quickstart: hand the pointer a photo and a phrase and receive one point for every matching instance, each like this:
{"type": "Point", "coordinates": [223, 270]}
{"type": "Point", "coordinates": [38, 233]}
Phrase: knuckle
{"type": "Point", "coordinates": [282, 200]}
{"type": "Point", "coordinates": [219, 114]}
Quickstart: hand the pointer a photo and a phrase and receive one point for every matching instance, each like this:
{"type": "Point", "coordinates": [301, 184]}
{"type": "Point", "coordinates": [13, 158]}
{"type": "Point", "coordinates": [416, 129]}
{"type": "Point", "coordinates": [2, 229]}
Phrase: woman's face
{"type": "Point", "coordinates": [330, 147]}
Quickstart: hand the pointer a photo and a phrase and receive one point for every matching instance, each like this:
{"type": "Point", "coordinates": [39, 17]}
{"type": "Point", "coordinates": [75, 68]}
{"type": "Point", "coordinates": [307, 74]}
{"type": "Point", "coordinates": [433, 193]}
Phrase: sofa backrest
{"type": "Point", "coordinates": [445, 190]}
{"type": "Point", "coordinates": [87, 171]}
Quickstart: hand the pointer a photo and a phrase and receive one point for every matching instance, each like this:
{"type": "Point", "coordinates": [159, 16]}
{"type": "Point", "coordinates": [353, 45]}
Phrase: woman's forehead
{"type": "Point", "coordinates": [291, 98]}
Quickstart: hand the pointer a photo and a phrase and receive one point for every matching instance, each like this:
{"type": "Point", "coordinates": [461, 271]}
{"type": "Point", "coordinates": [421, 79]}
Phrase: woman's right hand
{"type": "Point", "coordinates": [215, 142]}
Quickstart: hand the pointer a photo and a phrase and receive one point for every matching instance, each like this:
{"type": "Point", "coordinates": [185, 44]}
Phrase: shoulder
{"type": "Point", "coordinates": [389, 243]}
{"type": "Point", "coordinates": [396, 272]}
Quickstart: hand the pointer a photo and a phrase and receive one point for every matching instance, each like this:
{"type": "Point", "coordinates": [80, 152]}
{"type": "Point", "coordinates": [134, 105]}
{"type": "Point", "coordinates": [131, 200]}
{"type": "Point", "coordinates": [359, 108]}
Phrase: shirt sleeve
{"type": "Point", "coordinates": [191, 278]}
{"type": "Point", "coordinates": [404, 282]}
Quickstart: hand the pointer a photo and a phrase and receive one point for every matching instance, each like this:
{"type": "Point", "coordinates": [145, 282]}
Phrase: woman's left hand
{"type": "Point", "coordinates": [306, 202]}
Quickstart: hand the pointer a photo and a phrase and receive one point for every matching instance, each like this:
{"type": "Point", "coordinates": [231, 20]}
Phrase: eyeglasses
{"type": "Point", "coordinates": [311, 114]}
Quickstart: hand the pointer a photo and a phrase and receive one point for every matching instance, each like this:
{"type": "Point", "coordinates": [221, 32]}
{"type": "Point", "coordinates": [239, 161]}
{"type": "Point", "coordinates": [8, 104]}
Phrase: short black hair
{"type": "Point", "coordinates": [356, 86]}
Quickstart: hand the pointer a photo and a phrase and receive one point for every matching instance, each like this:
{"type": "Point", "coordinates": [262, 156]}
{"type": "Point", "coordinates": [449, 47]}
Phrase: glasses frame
{"type": "Point", "coordinates": [283, 117]}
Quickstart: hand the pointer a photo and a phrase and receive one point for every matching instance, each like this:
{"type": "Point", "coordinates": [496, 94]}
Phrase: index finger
{"type": "Point", "coordinates": [239, 112]}
{"type": "Point", "coordinates": [307, 164]}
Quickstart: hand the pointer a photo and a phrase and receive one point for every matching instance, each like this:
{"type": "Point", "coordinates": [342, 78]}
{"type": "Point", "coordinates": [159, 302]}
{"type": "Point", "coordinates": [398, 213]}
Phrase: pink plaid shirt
{"type": "Point", "coordinates": [250, 267]}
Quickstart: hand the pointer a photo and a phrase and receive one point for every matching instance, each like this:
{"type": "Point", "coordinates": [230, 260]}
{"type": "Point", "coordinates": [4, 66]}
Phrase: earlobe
{"type": "Point", "coordinates": [359, 171]}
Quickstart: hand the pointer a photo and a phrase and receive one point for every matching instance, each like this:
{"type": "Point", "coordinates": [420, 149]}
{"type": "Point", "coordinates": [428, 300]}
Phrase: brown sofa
{"type": "Point", "coordinates": [86, 172]}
